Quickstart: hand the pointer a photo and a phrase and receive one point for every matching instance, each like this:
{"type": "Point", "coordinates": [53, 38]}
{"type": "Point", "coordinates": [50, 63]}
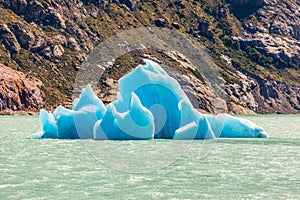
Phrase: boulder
{"type": "Point", "coordinates": [8, 39]}
{"type": "Point", "coordinates": [160, 22]}
{"type": "Point", "coordinates": [24, 35]}
{"type": "Point", "coordinates": [19, 92]}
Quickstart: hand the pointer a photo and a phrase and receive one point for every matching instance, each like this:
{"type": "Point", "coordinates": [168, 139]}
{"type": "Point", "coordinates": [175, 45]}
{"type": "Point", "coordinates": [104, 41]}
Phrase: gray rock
{"type": "Point", "coordinates": [18, 6]}
{"type": "Point", "coordinates": [8, 39]}
{"type": "Point", "coordinates": [24, 35]}
{"type": "Point", "coordinates": [276, 97]}
{"type": "Point", "coordinates": [205, 29]}
{"type": "Point", "coordinates": [277, 20]}
{"type": "Point", "coordinates": [176, 25]}
{"type": "Point", "coordinates": [160, 22]}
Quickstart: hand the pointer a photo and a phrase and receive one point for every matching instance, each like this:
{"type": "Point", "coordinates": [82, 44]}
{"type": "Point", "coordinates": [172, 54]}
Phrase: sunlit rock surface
{"type": "Point", "coordinates": [150, 105]}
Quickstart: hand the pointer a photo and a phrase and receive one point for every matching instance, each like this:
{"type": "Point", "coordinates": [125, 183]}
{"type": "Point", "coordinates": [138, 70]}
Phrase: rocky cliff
{"type": "Point", "coordinates": [254, 43]}
{"type": "Point", "coordinates": [19, 92]}
{"type": "Point", "coordinates": [274, 31]}
{"type": "Point", "coordinates": [250, 94]}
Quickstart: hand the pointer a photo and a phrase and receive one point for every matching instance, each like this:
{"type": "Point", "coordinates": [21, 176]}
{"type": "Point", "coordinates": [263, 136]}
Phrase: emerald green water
{"type": "Point", "coordinates": [234, 169]}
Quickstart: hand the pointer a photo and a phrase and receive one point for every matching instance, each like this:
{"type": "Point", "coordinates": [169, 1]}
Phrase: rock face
{"type": "Point", "coordinates": [44, 13]}
{"type": "Point", "coordinates": [251, 95]}
{"type": "Point", "coordinates": [276, 97]}
{"type": "Point", "coordinates": [278, 47]}
{"type": "Point", "coordinates": [281, 17]}
{"type": "Point", "coordinates": [268, 33]}
{"type": "Point", "coordinates": [17, 92]}
{"type": "Point", "coordinates": [8, 39]}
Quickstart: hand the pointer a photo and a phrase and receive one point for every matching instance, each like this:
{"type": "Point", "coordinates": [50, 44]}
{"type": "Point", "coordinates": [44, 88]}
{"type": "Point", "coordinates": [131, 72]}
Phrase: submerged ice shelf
{"type": "Point", "coordinates": [150, 104]}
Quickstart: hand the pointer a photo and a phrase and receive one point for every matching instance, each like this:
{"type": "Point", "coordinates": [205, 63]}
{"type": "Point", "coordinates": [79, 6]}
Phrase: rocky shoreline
{"type": "Point", "coordinates": [19, 113]}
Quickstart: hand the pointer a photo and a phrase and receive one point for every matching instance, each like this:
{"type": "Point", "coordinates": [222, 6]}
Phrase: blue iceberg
{"type": "Point", "coordinates": [150, 104]}
{"type": "Point", "coordinates": [233, 127]}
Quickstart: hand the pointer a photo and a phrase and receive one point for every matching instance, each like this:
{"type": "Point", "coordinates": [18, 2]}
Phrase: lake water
{"type": "Point", "coordinates": [234, 168]}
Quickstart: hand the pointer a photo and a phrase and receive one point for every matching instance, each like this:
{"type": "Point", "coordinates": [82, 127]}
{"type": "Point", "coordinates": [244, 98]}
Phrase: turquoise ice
{"type": "Point", "coordinates": [150, 104]}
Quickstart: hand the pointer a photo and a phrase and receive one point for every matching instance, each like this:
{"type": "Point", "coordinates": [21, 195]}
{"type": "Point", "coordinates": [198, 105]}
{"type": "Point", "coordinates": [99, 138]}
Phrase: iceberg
{"type": "Point", "coordinates": [150, 104]}
{"type": "Point", "coordinates": [233, 127]}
